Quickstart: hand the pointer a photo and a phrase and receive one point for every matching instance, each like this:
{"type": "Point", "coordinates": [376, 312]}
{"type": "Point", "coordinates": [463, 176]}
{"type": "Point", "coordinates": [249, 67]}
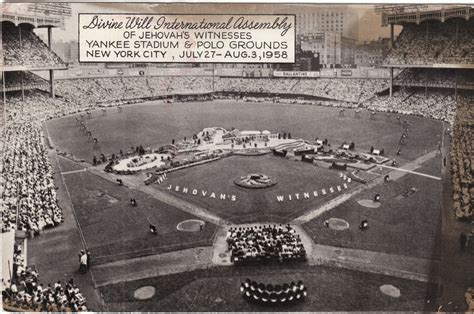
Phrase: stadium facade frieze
{"type": "Point", "coordinates": [417, 16]}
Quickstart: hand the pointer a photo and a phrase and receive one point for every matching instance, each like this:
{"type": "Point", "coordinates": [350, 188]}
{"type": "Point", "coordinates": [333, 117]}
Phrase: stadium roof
{"type": "Point", "coordinates": [401, 17]}
{"type": "Point", "coordinates": [36, 21]}
{"type": "Point", "coordinates": [37, 14]}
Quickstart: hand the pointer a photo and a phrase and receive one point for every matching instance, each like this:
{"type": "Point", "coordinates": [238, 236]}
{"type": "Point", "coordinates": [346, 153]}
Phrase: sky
{"type": "Point", "coordinates": [369, 22]}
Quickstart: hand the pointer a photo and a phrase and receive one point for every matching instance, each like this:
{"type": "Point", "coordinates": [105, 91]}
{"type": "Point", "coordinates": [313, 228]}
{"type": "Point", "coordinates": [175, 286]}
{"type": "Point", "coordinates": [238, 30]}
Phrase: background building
{"type": "Point", "coordinates": [329, 33]}
{"type": "Point", "coordinates": [67, 51]}
{"type": "Point", "coordinates": [337, 19]}
{"type": "Point", "coordinates": [332, 48]}
{"type": "Point", "coordinates": [371, 53]}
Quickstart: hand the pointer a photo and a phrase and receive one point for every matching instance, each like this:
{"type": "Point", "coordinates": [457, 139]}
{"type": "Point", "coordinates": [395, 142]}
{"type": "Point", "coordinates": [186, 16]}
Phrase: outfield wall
{"type": "Point", "coordinates": [97, 72]}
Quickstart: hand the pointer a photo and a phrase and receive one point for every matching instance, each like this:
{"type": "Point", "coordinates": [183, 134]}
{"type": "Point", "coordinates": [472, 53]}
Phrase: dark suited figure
{"type": "Point", "coordinates": [462, 240]}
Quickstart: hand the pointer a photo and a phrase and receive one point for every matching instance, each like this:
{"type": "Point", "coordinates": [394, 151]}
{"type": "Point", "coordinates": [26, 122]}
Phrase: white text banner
{"type": "Point", "coordinates": [187, 38]}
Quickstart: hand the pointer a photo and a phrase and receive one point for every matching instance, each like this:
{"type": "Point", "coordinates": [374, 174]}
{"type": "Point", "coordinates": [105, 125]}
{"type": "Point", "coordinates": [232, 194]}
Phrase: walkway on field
{"type": "Point", "coordinates": [152, 266]}
{"type": "Point", "coordinates": [374, 262]}
{"type": "Point", "coordinates": [406, 267]}
{"type": "Point", "coordinates": [55, 252]}
{"type": "Point", "coordinates": [73, 171]}
{"type": "Point", "coordinates": [394, 175]}
{"type": "Point", "coordinates": [411, 172]}
{"type": "Point", "coordinates": [203, 257]}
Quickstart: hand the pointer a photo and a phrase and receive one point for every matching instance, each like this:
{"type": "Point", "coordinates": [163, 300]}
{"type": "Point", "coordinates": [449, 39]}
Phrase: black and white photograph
{"type": "Point", "coordinates": [237, 157]}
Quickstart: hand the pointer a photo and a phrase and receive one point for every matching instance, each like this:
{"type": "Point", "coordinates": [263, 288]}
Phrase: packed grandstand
{"type": "Point", "coordinates": [29, 194]}
{"type": "Point", "coordinates": [22, 47]}
{"type": "Point", "coordinates": [434, 43]}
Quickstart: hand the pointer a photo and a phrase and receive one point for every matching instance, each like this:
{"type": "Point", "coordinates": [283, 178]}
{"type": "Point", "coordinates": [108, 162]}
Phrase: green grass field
{"type": "Point", "coordinates": [68, 165]}
{"type": "Point", "coordinates": [154, 124]}
{"type": "Point", "coordinates": [402, 225]}
{"type": "Point", "coordinates": [217, 289]}
{"type": "Point", "coordinates": [255, 204]}
{"type": "Point", "coordinates": [113, 229]}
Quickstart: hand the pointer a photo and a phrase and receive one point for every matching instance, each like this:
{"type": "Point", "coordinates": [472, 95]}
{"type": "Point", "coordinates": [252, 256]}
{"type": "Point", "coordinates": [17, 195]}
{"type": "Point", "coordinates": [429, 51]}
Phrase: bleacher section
{"type": "Point", "coordinates": [349, 90]}
{"type": "Point", "coordinates": [462, 147]}
{"type": "Point", "coordinates": [16, 80]}
{"type": "Point", "coordinates": [433, 42]}
{"type": "Point", "coordinates": [22, 47]}
{"type": "Point", "coordinates": [441, 78]}
{"type": "Point", "coordinates": [29, 202]}
{"type": "Point", "coordinates": [439, 104]}
{"type": "Point", "coordinates": [110, 89]}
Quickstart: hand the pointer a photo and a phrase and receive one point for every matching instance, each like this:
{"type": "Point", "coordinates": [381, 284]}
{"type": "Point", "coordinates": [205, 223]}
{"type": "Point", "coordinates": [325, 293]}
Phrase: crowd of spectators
{"type": "Point", "coordinates": [431, 42]}
{"type": "Point", "coordinates": [262, 243]}
{"type": "Point", "coordinates": [29, 195]}
{"type": "Point", "coordinates": [22, 47]}
{"type": "Point", "coordinates": [162, 85]}
{"type": "Point", "coordinates": [349, 90]}
{"type": "Point", "coordinates": [254, 85]}
{"type": "Point", "coordinates": [431, 77]}
{"type": "Point", "coordinates": [25, 292]}
{"type": "Point", "coordinates": [442, 105]}
{"type": "Point", "coordinates": [29, 188]}
{"type": "Point", "coordinates": [437, 104]}
{"type": "Point", "coordinates": [113, 89]}
{"type": "Point", "coordinates": [461, 45]}
{"type": "Point", "coordinates": [462, 157]}
{"type": "Point", "coordinates": [93, 90]}
{"type": "Point", "coordinates": [27, 174]}
{"type": "Point", "coordinates": [28, 182]}
{"type": "Point", "coordinates": [15, 79]}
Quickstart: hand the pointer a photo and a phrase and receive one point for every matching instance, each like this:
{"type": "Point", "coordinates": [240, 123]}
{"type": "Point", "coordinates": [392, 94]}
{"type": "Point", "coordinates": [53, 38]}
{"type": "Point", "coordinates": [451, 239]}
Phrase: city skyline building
{"type": "Point", "coordinates": [336, 19]}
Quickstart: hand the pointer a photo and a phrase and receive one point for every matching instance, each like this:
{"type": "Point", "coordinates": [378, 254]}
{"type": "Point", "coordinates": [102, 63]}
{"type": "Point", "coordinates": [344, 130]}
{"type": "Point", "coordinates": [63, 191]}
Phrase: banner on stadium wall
{"type": "Point", "coordinates": [346, 72]}
{"type": "Point", "coordinates": [179, 71]}
{"type": "Point", "coordinates": [328, 73]}
{"type": "Point", "coordinates": [229, 72]}
{"type": "Point", "coordinates": [185, 38]}
{"type": "Point", "coordinates": [295, 74]}
{"type": "Point", "coordinates": [379, 73]}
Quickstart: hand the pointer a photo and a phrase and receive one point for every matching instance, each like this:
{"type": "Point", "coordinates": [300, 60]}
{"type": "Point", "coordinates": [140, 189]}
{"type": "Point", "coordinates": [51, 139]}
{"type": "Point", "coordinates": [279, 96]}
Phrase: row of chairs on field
{"type": "Point", "coordinates": [273, 294]}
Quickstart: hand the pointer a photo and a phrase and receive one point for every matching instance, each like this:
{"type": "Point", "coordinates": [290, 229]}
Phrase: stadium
{"type": "Point", "coordinates": [194, 188]}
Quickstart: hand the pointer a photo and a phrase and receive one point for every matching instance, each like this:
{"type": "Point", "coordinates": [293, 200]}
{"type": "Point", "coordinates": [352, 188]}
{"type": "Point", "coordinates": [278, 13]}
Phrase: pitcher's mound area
{"type": "Point", "coordinates": [369, 203]}
{"type": "Point", "coordinates": [144, 293]}
{"type": "Point", "coordinates": [191, 225]}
